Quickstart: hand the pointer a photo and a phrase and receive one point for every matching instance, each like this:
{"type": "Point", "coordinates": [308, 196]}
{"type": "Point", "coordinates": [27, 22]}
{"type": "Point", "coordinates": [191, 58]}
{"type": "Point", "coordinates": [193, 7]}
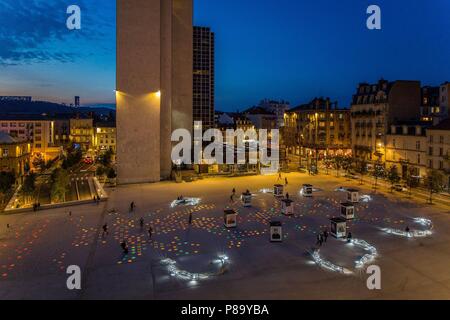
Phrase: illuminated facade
{"type": "Point", "coordinates": [38, 130]}
{"type": "Point", "coordinates": [317, 129]}
{"type": "Point", "coordinates": [154, 86]}
{"type": "Point", "coordinates": [14, 154]}
{"type": "Point", "coordinates": [105, 137]}
{"type": "Point", "coordinates": [82, 133]}
{"type": "Point", "coordinates": [375, 107]}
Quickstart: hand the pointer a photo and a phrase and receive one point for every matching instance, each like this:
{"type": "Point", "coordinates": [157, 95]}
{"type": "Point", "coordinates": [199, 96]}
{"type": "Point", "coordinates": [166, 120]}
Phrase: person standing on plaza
{"type": "Point", "coordinates": [190, 218]}
{"type": "Point", "coordinates": [105, 230]}
{"type": "Point", "coordinates": [286, 181]}
{"type": "Point", "coordinates": [141, 223]}
{"type": "Point", "coordinates": [325, 235]}
{"type": "Point", "coordinates": [150, 232]}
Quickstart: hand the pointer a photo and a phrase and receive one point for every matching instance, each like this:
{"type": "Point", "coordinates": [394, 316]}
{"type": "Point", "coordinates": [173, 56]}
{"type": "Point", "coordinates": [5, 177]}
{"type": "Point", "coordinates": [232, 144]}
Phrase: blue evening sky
{"type": "Point", "coordinates": [284, 49]}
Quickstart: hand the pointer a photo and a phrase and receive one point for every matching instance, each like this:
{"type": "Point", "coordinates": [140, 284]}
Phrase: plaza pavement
{"type": "Point", "coordinates": [36, 250]}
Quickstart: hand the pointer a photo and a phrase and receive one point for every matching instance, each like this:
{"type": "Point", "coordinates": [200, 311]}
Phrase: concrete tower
{"type": "Point", "coordinates": [154, 85]}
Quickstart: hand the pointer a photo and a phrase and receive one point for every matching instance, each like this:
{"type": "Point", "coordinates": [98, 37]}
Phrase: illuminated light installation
{"type": "Point", "coordinates": [185, 202]}
{"type": "Point", "coordinates": [413, 233]}
{"type": "Point", "coordinates": [266, 190]}
{"type": "Point", "coordinates": [329, 265]}
{"type": "Point", "coordinates": [222, 262]}
{"type": "Point", "coordinates": [359, 264]}
{"type": "Point", "coordinates": [365, 198]}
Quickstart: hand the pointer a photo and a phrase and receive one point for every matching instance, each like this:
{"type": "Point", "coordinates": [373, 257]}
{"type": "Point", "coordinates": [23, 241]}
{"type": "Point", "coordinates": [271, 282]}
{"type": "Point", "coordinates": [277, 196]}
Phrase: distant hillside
{"type": "Point", "coordinates": [40, 107]}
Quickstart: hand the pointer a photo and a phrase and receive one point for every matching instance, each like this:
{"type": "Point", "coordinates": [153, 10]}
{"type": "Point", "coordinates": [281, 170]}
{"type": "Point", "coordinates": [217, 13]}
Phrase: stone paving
{"type": "Point", "coordinates": [38, 247]}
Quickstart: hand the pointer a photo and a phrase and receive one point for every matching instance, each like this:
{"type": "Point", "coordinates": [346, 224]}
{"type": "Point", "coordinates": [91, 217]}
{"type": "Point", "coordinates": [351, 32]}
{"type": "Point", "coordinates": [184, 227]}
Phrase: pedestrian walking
{"type": "Point", "coordinates": [190, 218]}
{"type": "Point", "coordinates": [319, 240]}
{"type": "Point", "coordinates": [286, 181]}
{"type": "Point", "coordinates": [279, 176]}
{"type": "Point", "coordinates": [132, 206]}
{"type": "Point", "coordinates": [232, 198]}
{"type": "Point", "coordinates": [150, 232]}
{"type": "Point", "coordinates": [407, 229]}
{"type": "Point", "coordinates": [124, 247]}
{"type": "Point", "coordinates": [349, 237]}
{"type": "Point", "coordinates": [287, 195]}
{"type": "Point", "coordinates": [234, 191]}
{"type": "Point", "coordinates": [105, 229]}
{"type": "Point", "coordinates": [325, 235]}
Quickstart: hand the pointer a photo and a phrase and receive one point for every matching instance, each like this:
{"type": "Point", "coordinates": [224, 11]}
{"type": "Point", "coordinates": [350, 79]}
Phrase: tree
{"type": "Point", "coordinates": [411, 179]}
{"type": "Point", "coordinates": [29, 185]}
{"type": "Point", "coordinates": [106, 158]}
{"type": "Point", "coordinates": [347, 163]}
{"type": "Point", "coordinates": [328, 163]}
{"type": "Point", "coordinates": [111, 173]}
{"type": "Point", "coordinates": [101, 171]}
{"type": "Point", "coordinates": [393, 176]}
{"type": "Point", "coordinates": [362, 169]}
{"type": "Point", "coordinates": [60, 185]}
{"type": "Point", "coordinates": [378, 172]}
{"type": "Point", "coordinates": [39, 163]}
{"type": "Point", "coordinates": [7, 180]}
{"type": "Point", "coordinates": [74, 156]}
{"type": "Point", "coordinates": [337, 163]}
{"type": "Point", "coordinates": [435, 183]}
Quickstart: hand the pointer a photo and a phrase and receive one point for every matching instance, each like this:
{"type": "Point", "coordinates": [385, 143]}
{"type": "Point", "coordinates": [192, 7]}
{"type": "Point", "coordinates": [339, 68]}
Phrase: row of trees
{"type": "Point", "coordinates": [105, 167]}
{"type": "Point", "coordinates": [434, 180]}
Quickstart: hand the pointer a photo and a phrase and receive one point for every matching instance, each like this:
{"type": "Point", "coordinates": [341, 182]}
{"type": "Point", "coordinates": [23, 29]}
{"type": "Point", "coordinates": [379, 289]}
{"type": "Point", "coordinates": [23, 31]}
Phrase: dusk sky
{"type": "Point", "coordinates": [285, 49]}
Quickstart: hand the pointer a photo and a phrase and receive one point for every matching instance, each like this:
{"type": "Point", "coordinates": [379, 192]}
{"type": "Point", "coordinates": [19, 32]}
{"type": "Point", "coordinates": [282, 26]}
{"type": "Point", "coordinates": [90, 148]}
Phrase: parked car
{"type": "Point", "coordinates": [400, 188]}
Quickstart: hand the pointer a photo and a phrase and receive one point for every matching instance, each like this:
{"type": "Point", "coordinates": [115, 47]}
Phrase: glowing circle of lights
{"type": "Point", "coordinates": [222, 262]}
{"type": "Point", "coordinates": [428, 224]}
{"type": "Point", "coordinates": [367, 258]}
{"type": "Point", "coordinates": [185, 202]}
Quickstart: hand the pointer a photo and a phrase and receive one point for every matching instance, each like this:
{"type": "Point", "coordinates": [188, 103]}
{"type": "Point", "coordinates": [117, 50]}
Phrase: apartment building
{"type": "Point", "coordinates": [82, 133]}
{"type": "Point", "coordinates": [375, 107]}
{"type": "Point", "coordinates": [406, 148]}
{"type": "Point", "coordinates": [14, 155]}
{"type": "Point", "coordinates": [38, 130]}
{"type": "Point", "coordinates": [438, 148]}
{"type": "Point", "coordinates": [317, 128]}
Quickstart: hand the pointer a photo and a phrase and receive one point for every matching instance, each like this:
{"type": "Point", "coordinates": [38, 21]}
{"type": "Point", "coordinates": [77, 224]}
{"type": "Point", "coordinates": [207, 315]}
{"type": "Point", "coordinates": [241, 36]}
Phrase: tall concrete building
{"type": "Point", "coordinates": [153, 85]}
{"type": "Point", "coordinates": [203, 103]}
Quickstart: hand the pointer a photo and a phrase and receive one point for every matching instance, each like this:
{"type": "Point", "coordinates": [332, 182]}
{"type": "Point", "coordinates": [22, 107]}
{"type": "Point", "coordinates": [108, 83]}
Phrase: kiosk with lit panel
{"type": "Point", "coordinates": [276, 231]}
{"type": "Point", "coordinates": [307, 190]}
{"type": "Point", "coordinates": [348, 210]}
{"type": "Point", "coordinates": [338, 227]}
{"type": "Point", "coordinates": [287, 207]}
{"type": "Point", "coordinates": [230, 218]}
{"type": "Point", "coordinates": [246, 199]}
{"type": "Point", "coordinates": [353, 195]}
{"type": "Point", "coordinates": [278, 190]}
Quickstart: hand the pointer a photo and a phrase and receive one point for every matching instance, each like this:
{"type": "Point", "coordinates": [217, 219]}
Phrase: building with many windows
{"type": "Point", "coordinates": [317, 129]}
{"type": "Point", "coordinates": [14, 155]}
{"type": "Point", "coordinates": [406, 148]}
{"type": "Point", "coordinates": [438, 148]}
{"type": "Point", "coordinates": [375, 107]}
{"type": "Point", "coordinates": [39, 130]}
{"type": "Point", "coordinates": [105, 136]}
{"type": "Point", "coordinates": [82, 133]}
{"type": "Point", "coordinates": [203, 95]}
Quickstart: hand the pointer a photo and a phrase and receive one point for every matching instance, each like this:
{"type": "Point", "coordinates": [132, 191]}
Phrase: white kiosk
{"type": "Point", "coordinates": [338, 227]}
{"type": "Point", "coordinates": [307, 190]}
{"type": "Point", "coordinates": [353, 195]}
{"type": "Point", "coordinates": [287, 207]}
{"type": "Point", "coordinates": [278, 190]}
{"type": "Point", "coordinates": [348, 210]}
{"type": "Point", "coordinates": [276, 231]}
{"type": "Point", "coordinates": [230, 218]}
{"type": "Point", "coordinates": [246, 199]}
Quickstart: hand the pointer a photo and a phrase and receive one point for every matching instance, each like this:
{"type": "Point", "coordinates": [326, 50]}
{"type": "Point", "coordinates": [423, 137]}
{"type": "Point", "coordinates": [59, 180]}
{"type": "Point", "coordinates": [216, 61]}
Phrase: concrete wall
{"type": "Point", "coordinates": [154, 53]}
{"type": "Point", "coordinates": [138, 80]}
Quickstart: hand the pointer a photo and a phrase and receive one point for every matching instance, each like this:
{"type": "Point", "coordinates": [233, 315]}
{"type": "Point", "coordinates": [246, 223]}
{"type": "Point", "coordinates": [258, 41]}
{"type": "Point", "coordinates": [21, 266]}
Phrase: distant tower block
{"type": "Point", "coordinates": [153, 85]}
{"type": "Point", "coordinates": [77, 102]}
